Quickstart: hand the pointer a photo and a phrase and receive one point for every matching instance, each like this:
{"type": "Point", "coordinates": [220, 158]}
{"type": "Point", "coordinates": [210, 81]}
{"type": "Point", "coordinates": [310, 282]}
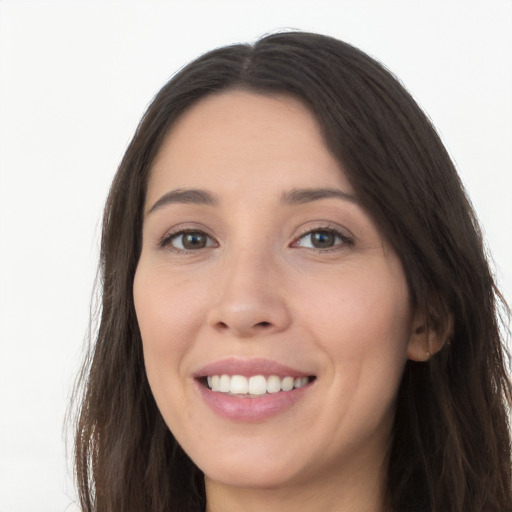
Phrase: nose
{"type": "Point", "coordinates": [251, 300]}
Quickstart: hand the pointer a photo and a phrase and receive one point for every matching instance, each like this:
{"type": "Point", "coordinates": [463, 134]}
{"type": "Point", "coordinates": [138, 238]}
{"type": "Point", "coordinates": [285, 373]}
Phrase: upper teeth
{"type": "Point", "coordinates": [255, 385]}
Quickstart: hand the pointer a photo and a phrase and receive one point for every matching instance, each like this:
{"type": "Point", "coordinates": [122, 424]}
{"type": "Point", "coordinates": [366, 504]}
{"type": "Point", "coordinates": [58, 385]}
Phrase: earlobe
{"type": "Point", "coordinates": [425, 340]}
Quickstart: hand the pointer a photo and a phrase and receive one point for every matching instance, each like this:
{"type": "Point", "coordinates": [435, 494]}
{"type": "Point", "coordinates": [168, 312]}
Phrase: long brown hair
{"type": "Point", "coordinates": [450, 450]}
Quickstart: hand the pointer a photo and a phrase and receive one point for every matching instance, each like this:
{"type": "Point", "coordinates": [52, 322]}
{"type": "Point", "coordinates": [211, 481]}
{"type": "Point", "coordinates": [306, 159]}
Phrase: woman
{"type": "Point", "coordinates": [297, 310]}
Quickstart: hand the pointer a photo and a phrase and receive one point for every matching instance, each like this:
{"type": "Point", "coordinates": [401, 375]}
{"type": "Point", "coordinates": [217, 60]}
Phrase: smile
{"type": "Point", "coordinates": [252, 390]}
{"type": "Point", "coordinates": [256, 385]}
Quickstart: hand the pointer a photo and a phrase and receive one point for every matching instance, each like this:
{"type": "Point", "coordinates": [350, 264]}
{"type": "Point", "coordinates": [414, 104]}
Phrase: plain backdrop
{"type": "Point", "coordinates": [76, 76]}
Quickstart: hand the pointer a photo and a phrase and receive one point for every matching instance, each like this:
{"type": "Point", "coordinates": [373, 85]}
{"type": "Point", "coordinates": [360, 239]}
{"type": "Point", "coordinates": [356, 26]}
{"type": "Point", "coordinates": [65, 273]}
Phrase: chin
{"type": "Point", "coordinates": [257, 468]}
{"type": "Point", "coordinates": [251, 476]}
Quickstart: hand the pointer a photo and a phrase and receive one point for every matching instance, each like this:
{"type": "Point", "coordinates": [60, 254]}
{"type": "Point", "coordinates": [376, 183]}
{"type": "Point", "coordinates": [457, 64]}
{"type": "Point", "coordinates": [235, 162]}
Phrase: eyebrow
{"type": "Point", "coordinates": [185, 196]}
{"type": "Point", "coordinates": [308, 195]}
{"type": "Point", "coordinates": [291, 197]}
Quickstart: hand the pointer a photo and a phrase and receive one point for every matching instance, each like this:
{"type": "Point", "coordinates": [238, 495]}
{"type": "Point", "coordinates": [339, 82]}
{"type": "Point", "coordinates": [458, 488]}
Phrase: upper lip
{"type": "Point", "coordinates": [249, 367]}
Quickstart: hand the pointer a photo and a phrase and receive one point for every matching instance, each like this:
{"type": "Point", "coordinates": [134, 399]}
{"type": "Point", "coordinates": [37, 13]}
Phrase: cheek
{"type": "Point", "coordinates": [362, 320]}
{"type": "Point", "coordinates": [362, 326]}
{"type": "Point", "coordinates": [169, 313]}
{"type": "Point", "coordinates": [166, 309]}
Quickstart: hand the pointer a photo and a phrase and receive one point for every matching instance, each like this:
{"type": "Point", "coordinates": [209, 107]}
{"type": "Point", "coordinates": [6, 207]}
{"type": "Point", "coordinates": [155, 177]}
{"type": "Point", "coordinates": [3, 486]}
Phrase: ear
{"type": "Point", "coordinates": [426, 340]}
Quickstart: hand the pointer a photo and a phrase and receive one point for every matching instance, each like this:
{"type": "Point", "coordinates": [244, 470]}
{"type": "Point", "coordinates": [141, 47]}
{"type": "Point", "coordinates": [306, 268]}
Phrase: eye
{"type": "Point", "coordinates": [322, 239]}
{"type": "Point", "coordinates": [188, 240]}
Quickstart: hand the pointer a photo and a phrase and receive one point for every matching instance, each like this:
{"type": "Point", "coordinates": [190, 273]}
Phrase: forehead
{"type": "Point", "coordinates": [244, 139]}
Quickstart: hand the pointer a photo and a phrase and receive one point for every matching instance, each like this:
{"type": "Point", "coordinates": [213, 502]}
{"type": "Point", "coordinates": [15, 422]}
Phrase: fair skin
{"type": "Point", "coordinates": [270, 267]}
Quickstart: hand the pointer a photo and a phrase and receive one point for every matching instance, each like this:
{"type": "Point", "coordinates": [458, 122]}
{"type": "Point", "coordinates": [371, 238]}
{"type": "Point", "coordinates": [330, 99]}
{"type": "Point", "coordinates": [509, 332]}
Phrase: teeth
{"type": "Point", "coordinates": [225, 384]}
{"type": "Point", "coordinates": [255, 385]}
{"type": "Point", "coordinates": [273, 384]}
{"type": "Point", "coordinates": [239, 385]}
{"type": "Point", "coordinates": [287, 384]}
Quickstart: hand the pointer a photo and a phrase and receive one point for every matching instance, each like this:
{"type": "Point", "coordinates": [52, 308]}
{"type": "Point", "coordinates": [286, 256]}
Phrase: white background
{"type": "Point", "coordinates": [76, 76]}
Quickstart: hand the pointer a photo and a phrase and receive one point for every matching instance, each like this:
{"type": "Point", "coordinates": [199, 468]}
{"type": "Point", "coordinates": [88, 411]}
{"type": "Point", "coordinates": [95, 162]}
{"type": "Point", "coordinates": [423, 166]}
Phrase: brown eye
{"type": "Point", "coordinates": [322, 239]}
{"type": "Point", "coordinates": [190, 240]}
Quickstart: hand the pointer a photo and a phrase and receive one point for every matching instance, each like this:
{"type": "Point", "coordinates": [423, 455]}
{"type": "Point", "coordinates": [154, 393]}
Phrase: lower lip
{"type": "Point", "coordinates": [247, 409]}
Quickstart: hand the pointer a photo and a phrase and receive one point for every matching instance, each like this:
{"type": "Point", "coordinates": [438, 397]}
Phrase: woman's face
{"type": "Point", "coordinates": [261, 276]}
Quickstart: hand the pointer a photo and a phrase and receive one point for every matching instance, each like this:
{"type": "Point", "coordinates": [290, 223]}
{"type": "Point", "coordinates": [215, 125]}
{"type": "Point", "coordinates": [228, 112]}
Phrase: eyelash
{"type": "Point", "coordinates": [345, 240]}
{"type": "Point", "coordinates": [167, 240]}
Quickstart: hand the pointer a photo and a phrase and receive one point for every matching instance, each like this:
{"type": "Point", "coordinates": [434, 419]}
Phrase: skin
{"type": "Point", "coordinates": [260, 289]}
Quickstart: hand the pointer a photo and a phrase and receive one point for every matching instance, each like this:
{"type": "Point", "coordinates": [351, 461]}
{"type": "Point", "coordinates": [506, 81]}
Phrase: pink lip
{"type": "Point", "coordinates": [250, 410]}
{"type": "Point", "coordinates": [247, 368]}
{"type": "Point", "coordinates": [245, 409]}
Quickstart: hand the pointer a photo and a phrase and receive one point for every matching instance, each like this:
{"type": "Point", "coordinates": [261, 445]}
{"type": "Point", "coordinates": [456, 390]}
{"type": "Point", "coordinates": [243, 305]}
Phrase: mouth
{"type": "Point", "coordinates": [252, 390]}
{"type": "Point", "coordinates": [253, 386]}
{"type": "Point", "coordinates": [271, 386]}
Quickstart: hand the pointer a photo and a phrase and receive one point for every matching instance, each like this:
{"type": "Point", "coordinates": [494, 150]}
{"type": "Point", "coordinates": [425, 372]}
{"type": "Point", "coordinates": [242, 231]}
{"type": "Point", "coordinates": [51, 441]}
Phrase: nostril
{"type": "Point", "coordinates": [263, 324]}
